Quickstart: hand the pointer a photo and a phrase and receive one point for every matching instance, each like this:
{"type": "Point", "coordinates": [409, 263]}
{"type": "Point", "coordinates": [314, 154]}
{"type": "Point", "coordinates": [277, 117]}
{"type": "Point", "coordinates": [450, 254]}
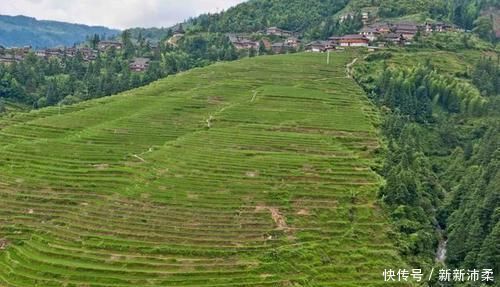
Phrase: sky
{"type": "Point", "coordinates": [120, 14]}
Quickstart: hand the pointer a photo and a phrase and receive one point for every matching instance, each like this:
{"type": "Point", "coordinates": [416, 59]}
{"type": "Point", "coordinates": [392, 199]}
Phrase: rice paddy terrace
{"type": "Point", "coordinates": [251, 173]}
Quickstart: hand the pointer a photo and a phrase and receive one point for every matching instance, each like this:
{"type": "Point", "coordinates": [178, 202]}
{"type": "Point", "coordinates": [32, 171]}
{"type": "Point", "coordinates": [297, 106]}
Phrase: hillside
{"type": "Point", "coordinates": [250, 173]}
{"type": "Point", "coordinates": [18, 31]}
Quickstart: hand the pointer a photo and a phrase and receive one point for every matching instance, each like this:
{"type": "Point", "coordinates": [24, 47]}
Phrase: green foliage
{"type": "Point", "coordinates": [474, 219]}
{"type": "Point", "coordinates": [378, 56]}
{"type": "Point", "coordinates": [486, 76]}
{"type": "Point", "coordinates": [483, 26]}
{"type": "Point", "coordinates": [452, 41]}
{"type": "Point", "coordinates": [413, 91]}
{"type": "Point", "coordinates": [255, 15]}
{"type": "Point", "coordinates": [443, 173]}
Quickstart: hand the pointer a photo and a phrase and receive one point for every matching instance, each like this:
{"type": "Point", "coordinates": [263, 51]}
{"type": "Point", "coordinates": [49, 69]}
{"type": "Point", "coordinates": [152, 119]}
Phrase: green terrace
{"type": "Point", "coordinates": [250, 173]}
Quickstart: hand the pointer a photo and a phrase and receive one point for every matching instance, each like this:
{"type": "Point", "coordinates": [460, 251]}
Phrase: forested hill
{"type": "Point", "coordinates": [16, 31]}
{"type": "Point", "coordinates": [315, 19]}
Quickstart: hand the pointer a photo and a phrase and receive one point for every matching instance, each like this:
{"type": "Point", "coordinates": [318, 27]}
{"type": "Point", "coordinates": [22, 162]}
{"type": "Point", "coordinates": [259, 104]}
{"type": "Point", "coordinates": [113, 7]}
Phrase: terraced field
{"type": "Point", "coordinates": [251, 173]}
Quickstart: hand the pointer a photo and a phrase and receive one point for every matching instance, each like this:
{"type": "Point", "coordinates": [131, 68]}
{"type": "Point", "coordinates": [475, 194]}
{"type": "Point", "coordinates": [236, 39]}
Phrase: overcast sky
{"type": "Point", "coordinates": [119, 14]}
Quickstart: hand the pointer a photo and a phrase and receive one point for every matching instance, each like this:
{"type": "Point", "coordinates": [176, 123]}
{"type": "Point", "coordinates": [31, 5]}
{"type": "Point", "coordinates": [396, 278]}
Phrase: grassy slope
{"type": "Point", "coordinates": [135, 190]}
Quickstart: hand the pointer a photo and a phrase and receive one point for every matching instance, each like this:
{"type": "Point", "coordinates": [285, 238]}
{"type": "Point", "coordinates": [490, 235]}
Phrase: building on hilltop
{"type": "Point", "coordinates": [319, 46]}
{"type": "Point", "coordinates": [382, 28]}
{"type": "Point", "coordinates": [278, 48]}
{"type": "Point", "coordinates": [293, 42]}
{"type": "Point", "coordinates": [106, 45]}
{"type": "Point", "coordinates": [7, 60]}
{"type": "Point", "coordinates": [335, 40]}
{"type": "Point", "coordinates": [408, 30]}
{"type": "Point", "coordinates": [179, 29]}
{"type": "Point", "coordinates": [275, 31]}
{"type": "Point", "coordinates": [139, 64]}
{"type": "Point", "coordinates": [354, 40]}
{"type": "Point", "coordinates": [241, 43]}
{"type": "Point", "coordinates": [370, 33]}
{"type": "Point", "coordinates": [394, 38]}
{"type": "Point", "coordinates": [438, 27]}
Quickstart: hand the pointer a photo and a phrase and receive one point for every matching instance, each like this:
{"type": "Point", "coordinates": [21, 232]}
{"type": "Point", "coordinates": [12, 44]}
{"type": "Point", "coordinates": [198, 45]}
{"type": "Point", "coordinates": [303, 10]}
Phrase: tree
{"type": "Point", "coordinates": [94, 41]}
{"type": "Point", "coordinates": [483, 26]}
{"type": "Point", "coordinates": [262, 48]}
{"type": "Point", "coordinates": [2, 106]}
{"type": "Point", "coordinates": [128, 46]}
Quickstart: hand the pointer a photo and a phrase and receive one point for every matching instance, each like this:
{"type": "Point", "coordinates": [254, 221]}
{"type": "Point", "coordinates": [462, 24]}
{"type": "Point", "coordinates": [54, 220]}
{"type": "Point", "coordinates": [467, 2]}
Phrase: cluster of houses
{"type": "Point", "coordinates": [11, 55]}
{"type": "Point", "coordinates": [381, 33]}
{"type": "Point", "coordinates": [291, 42]}
{"type": "Point", "coordinates": [86, 53]}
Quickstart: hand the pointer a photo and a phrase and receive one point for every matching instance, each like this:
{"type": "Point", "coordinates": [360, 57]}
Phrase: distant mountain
{"type": "Point", "coordinates": [16, 31]}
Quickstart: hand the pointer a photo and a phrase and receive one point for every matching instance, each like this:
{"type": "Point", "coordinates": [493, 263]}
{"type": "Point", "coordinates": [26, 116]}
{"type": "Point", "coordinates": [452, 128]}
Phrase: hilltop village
{"type": "Point", "coordinates": [8, 56]}
{"type": "Point", "coordinates": [273, 40]}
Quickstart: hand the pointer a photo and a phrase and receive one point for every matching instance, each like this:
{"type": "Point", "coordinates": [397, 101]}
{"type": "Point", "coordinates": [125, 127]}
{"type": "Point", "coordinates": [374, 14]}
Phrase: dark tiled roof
{"type": "Point", "coordinates": [353, 37]}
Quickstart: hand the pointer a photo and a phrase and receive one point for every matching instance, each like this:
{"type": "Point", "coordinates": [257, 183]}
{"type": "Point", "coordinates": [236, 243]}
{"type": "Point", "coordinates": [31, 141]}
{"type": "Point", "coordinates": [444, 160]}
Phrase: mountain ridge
{"type": "Point", "coordinates": [23, 30]}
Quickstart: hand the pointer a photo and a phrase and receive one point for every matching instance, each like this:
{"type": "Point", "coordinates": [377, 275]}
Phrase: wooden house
{"type": "Point", "coordinates": [275, 31]}
{"type": "Point", "coordinates": [139, 64]}
{"type": "Point", "coordinates": [354, 40]}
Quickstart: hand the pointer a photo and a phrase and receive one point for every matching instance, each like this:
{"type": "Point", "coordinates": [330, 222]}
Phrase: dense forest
{"type": "Point", "coordinates": [442, 166]}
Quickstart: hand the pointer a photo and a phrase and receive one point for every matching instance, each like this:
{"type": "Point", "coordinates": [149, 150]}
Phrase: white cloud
{"type": "Point", "coordinates": [115, 13]}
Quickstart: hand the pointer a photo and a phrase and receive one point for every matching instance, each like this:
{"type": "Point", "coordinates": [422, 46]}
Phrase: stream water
{"type": "Point", "coordinates": [441, 251]}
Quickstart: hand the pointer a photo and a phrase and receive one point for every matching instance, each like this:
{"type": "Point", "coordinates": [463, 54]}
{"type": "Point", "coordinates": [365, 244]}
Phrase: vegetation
{"type": "Point", "coordinates": [38, 82]}
{"type": "Point", "coordinates": [441, 167]}
{"type": "Point", "coordinates": [19, 31]}
{"type": "Point", "coordinates": [255, 173]}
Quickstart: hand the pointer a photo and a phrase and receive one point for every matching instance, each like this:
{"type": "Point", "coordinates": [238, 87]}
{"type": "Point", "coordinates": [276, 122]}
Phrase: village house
{"type": "Point", "coordinates": [7, 60]}
{"type": "Point", "coordinates": [266, 43]}
{"type": "Point", "coordinates": [382, 28]}
{"type": "Point", "coordinates": [370, 33]}
{"type": "Point", "coordinates": [365, 17]}
{"type": "Point", "coordinates": [139, 64]}
{"type": "Point", "coordinates": [408, 30]}
{"type": "Point", "coordinates": [354, 40]}
{"type": "Point", "coordinates": [319, 46]}
{"type": "Point", "coordinates": [393, 38]}
{"type": "Point", "coordinates": [335, 40]}
{"type": "Point", "coordinates": [275, 31]}
{"type": "Point", "coordinates": [106, 45]}
{"type": "Point", "coordinates": [246, 44]}
{"type": "Point", "coordinates": [88, 54]}
{"type": "Point", "coordinates": [278, 48]}
{"type": "Point", "coordinates": [54, 52]}
{"type": "Point", "coordinates": [179, 30]}
{"type": "Point", "coordinates": [293, 42]}
{"type": "Point", "coordinates": [241, 43]}
{"type": "Point", "coordinates": [438, 27]}
{"type": "Point", "coordinates": [41, 54]}
{"type": "Point", "coordinates": [346, 17]}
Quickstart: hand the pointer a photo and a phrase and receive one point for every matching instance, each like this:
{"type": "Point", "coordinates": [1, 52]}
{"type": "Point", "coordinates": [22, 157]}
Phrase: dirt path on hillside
{"type": "Point", "coordinates": [349, 67]}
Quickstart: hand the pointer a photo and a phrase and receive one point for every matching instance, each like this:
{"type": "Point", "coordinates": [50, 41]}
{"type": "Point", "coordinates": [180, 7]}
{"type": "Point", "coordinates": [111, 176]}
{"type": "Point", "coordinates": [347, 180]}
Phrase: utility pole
{"type": "Point", "coordinates": [328, 57]}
